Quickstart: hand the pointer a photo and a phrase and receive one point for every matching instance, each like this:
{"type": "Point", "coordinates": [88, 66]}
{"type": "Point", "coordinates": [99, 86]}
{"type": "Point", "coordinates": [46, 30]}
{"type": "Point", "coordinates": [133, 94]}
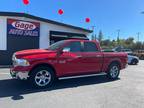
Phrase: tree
{"type": "Point", "coordinates": [138, 45]}
{"type": "Point", "coordinates": [106, 42]}
{"type": "Point", "coordinates": [129, 41]}
{"type": "Point", "coordinates": [113, 43]}
{"type": "Point", "coordinates": [92, 37]}
{"type": "Point", "coordinates": [95, 37]}
{"type": "Point", "coordinates": [100, 36]}
{"type": "Point", "coordinates": [118, 40]}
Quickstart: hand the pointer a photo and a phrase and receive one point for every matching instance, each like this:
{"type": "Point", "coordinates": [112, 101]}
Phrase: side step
{"type": "Point", "coordinates": [82, 76]}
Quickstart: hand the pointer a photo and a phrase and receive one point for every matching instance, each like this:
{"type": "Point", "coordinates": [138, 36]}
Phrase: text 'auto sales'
{"type": "Point", "coordinates": [22, 28]}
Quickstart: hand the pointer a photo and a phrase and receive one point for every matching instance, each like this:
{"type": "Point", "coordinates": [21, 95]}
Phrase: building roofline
{"type": "Point", "coordinates": [42, 19]}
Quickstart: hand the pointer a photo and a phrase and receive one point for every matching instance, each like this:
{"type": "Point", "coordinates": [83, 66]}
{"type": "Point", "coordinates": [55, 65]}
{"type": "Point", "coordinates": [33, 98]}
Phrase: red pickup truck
{"type": "Point", "coordinates": [64, 59]}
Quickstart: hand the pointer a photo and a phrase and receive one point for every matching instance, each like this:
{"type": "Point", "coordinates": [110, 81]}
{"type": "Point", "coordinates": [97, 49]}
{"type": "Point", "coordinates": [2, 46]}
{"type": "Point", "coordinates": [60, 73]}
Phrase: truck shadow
{"type": "Point", "coordinates": [16, 89]}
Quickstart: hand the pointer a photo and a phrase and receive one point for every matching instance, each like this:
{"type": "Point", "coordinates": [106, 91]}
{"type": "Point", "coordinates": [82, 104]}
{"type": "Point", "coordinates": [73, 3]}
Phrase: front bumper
{"type": "Point", "coordinates": [19, 75]}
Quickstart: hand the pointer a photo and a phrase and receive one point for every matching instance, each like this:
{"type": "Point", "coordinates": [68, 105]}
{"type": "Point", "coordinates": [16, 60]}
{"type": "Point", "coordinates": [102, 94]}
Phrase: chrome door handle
{"type": "Point", "coordinates": [79, 56]}
{"type": "Point", "coordinates": [98, 55]}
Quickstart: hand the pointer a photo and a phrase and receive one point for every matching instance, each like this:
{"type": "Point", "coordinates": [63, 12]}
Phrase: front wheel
{"type": "Point", "coordinates": [113, 71]}
{"type": "Point", "coordinates": [42, 77]}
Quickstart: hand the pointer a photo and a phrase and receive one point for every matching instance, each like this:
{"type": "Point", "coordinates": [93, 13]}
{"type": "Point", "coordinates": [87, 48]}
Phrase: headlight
{"type": "Point", "coordinates": [21, 62]}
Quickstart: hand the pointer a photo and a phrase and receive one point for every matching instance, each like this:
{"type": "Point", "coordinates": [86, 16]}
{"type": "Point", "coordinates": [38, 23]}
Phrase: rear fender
{"type": "Point", "coordinates": [106, 65]}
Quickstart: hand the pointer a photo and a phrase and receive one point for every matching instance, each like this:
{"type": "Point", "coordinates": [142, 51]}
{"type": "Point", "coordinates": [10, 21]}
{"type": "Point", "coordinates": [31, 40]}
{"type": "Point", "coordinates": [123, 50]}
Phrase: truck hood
{"type": "Point", "coordinates": [22, 53]}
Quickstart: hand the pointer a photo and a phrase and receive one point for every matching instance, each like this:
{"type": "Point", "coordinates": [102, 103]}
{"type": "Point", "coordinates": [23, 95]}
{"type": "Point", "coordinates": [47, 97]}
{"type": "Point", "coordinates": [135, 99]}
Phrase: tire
{"type": "Point", "coordinates": [142, 57]}
{"type": "Point", "coordinates": [42, 77]}
{"type": "Point", "coordinates": [134, 62]}
{"type": "Point", "coordinates": [113, 71]}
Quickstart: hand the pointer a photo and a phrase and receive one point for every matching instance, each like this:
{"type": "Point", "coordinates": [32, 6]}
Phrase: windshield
{"type": "Point", "coordinates": [56, 45]}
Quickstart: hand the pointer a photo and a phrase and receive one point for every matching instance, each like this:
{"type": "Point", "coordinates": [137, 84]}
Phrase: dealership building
{"type": "Point", "coordinates": [20, 31]}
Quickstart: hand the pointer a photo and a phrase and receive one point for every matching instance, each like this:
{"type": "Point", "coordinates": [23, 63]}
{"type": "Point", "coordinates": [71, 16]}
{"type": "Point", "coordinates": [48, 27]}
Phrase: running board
{"type": "Point", "coordinates": [82, 76]}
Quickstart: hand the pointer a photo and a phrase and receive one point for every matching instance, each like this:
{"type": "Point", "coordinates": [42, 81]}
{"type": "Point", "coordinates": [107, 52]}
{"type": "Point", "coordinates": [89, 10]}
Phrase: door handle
{"type": "Point", "coordinates": [98, 55]}
{"type": "Point", "coordinates": [79, 56]}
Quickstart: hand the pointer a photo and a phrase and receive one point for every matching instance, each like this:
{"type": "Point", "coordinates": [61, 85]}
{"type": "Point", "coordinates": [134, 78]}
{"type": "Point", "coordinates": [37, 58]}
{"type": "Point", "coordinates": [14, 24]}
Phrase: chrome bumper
{"type": "Point", "coordinates": [19, 75]}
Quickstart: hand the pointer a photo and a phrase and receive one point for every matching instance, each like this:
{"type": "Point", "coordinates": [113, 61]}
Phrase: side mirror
{"type": "Point", "coordinates": [66, 50]}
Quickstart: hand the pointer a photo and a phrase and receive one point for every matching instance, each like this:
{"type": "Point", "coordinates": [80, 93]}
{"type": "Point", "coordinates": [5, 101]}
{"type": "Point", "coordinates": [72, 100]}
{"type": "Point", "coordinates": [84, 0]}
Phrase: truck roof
{"type": "Point", "coordinates": [82, 40]}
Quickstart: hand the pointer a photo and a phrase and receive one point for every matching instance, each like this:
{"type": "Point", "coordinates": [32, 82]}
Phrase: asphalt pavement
{"type": "Point", "coordinates": [91, 92]}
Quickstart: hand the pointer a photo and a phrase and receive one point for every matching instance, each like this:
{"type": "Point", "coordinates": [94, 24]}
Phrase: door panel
{"type": "Point", "coordinates": [92, 61]}
{"type": "Point", "coordinates": [91, 57]}
{"type": "Point", "coordinates": [77, 62]}
{"type": "Point", "coordinates": [70, 63]}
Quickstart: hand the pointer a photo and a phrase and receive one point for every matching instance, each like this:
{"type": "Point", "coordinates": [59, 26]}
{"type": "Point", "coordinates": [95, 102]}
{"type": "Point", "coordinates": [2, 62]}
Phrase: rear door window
{"type": "Point", "coordinates": [90, 47]}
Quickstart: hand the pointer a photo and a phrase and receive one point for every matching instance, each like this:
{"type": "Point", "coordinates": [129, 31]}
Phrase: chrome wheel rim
{"type": "Point", "coordinates": [43, 78]}
{"type": "Point", "coordinates": [114, 71]}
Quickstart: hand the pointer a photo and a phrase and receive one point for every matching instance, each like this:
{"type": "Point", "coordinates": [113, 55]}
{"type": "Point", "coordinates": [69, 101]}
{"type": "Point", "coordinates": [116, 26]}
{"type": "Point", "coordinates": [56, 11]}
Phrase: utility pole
{"type": "Point", "coordinates": [118, 33]}
{"type": "Point", "coordinates": [93, 28]}
{"type": "Point", "coordinates": [118, 36]}
{"type": "Point", "coordinates": [138, 35]}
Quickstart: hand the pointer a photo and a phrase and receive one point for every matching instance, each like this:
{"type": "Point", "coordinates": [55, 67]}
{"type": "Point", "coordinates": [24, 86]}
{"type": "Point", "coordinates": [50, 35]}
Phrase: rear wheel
{"type": "Point", "coordinates": [134, 62]}
{"type": "Point", "coordinates": [42, 77]}
{"type": "Point", "coordinates": [142, 57]}
{"type": "Point", "coordinates": [113, 71]}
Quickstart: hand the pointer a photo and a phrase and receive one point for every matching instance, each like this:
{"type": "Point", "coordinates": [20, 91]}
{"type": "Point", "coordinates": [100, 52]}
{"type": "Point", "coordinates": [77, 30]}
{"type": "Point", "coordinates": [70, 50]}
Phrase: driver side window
{"type": "Point", "coordinates": [73, 47]}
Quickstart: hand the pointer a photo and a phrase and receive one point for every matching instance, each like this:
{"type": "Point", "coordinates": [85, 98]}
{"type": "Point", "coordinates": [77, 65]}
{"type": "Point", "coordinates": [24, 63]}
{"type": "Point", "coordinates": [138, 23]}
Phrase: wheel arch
{"type": "Point", "coordinates": [114, 62]}
{"type": "Point", "coordinates": [134, 59]}
{"type": "Point", "coordinates": [41, 65]}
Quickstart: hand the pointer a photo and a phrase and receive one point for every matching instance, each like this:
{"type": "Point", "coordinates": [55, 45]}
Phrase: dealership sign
{"type": "Point", "coordinates": [22, 28]}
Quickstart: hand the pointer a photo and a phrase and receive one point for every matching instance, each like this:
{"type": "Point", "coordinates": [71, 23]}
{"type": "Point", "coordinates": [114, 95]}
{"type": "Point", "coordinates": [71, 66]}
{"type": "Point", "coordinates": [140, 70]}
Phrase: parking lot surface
{"type": "Point", "coordinates": [91, 92]}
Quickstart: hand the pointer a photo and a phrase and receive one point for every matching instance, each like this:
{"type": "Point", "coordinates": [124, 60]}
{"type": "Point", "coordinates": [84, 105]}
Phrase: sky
{"type": "Point", "coordinates": [106, 15]}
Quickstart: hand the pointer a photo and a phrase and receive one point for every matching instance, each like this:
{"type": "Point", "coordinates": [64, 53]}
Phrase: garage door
{"type": "Point", "coordinates": [58, 36]}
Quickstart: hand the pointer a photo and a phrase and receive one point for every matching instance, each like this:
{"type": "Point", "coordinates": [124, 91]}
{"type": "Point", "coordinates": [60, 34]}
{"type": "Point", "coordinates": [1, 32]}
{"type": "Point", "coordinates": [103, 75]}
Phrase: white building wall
{"type": "Point", "coordinates": [3, 33]}
{"type": "Point", "coordinates": [45, 29]}
{"type": "Point", "coordinates": [44, 36]}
